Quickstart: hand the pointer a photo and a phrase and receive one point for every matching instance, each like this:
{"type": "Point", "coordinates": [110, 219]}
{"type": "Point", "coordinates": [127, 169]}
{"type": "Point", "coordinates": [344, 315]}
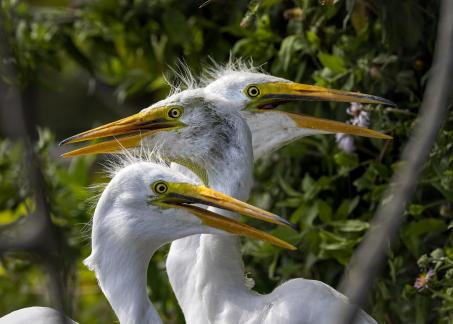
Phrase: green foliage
{"type": "Point", "coordinates": [378, 47]}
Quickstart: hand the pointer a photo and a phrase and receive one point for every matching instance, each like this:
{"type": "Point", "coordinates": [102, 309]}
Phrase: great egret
{"type": "Point", "coordinates": [208, 133]}
{"type": "Point", "coordinates": [257, 95]}
{"type": "Point", "coordinates": [145, 206]}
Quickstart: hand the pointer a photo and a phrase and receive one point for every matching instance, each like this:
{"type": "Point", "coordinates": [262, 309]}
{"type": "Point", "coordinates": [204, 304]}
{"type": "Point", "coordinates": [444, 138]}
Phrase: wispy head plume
{"type": "Point", "coordinates": [115, 163]}
{"type": "Point", "coordinates": [214, 70]}
{"type": "Point", "coordinates": [183, 78]}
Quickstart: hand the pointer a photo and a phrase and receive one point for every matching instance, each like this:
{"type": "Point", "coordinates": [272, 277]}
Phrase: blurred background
{"type": "Point", "coordinates": [81, 63]}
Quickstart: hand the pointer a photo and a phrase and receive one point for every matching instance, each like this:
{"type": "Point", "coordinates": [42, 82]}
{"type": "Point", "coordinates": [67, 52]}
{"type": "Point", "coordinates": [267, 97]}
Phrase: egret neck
{"type": "Point", "coordinates": [203, 269]}
{"type": "Point", "coordinates": [121, 270]}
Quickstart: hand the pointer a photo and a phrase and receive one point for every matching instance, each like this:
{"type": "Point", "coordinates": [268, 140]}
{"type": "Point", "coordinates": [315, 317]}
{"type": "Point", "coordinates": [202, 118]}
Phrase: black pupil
{"type": "Point", "coordinates": [174, 112]}
{"type": "Point", "coordinates": [161, 188]}
{"type": "Point", "coordinates": [253, 91]}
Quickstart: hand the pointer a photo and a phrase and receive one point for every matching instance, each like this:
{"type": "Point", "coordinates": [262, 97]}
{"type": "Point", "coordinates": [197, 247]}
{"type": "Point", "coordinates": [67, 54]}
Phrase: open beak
{"type": "Point", "coordinates": [291, 91]}
{"type": "Point", "coordinates": [124, 133]}
{"type": "Point", "coordinates": [183, 195]}
{"type": "Point", "coordinates": [270, 95]}
{"type": "Point", "coordinates": [331, 126]}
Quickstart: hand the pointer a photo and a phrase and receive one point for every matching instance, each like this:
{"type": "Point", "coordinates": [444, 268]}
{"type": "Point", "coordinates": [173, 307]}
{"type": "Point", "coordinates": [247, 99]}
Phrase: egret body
{"type": "Point", "coordinates": [145, 206]}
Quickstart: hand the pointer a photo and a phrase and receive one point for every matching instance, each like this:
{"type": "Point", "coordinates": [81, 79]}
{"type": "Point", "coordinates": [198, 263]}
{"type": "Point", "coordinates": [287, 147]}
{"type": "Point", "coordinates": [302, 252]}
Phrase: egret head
{"type": "Point", "coordinates": [151, 204]}
{"type": "Point", "coordinates": [257, 93]}
{"type": "Point", "coordinates": [252, 90]}
{"type": "Point", "coordinates": [187, 124]}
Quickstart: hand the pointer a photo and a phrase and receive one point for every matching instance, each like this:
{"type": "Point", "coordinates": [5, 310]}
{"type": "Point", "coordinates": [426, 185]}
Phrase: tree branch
{"type": "Point", "coordinates": [370, 256]}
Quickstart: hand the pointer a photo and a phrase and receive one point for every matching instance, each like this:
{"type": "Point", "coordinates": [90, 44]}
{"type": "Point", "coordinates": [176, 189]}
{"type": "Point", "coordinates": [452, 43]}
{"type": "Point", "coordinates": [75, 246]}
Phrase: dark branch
{"type": "Point", "coordinates": [370, 255]}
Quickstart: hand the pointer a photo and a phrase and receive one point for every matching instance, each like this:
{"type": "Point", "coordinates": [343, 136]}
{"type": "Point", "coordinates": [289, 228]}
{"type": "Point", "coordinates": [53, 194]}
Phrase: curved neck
{"type": "Point", "coordinates": [213, 272]}
{"type": "Point", "coordinates": [229, 165]}
{"type": "Point", "coordinates": [218, 149]}
{"type": "Point", "coordinates": [121, 270]}
{"type": "Point", "coordinates": [273, 130]}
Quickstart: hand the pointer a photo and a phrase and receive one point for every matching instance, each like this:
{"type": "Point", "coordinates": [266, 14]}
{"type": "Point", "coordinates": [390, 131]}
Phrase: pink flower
{"type": "Point", "coordinates": [422, 280]}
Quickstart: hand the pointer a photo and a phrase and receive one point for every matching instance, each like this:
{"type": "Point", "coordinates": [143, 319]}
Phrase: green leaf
{"type": "Point", "coordinates": [289, 46]}
{"type": "Point", "coordinates": [287, 188]}
{"type": "Point", "coordinates": [333, 62]}
{"type": "Point", "coordinates": [335, 242]}
{"type": "Point", "coordinates": [313, 39]}
{"type": "Point", "coordinates": [342, 211]}
{"type": "Point", "coordinates": [414, 233]}
{"type": "Point", "coordinates": [309, 215]}
{"type": "Point", "coordinates": [416, 210]}
{"type": "Point", "coordinates": [346, 162]}
{"type": "Point", "coordinates": [324, 210]}
{"type": "Point", "coordinates": [289, 202]}
{"type": "Point", "coordinates": [350, 225]}
{"type": "Point", "coordinates": [287, 234]}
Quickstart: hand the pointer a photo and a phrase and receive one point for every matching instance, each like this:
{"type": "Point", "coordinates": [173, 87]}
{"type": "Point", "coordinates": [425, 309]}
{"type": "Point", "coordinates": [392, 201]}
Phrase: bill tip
{"type": "Point", "coordinates": [385, 102]}
{"type": "Point", "coordinates": [292, 226]}
{"type": "Point", "coordinates": [292, 247]}
{"type": "Point", "coordinates": [390, 103]}
{"type": "Point", "coordinates": [63, 142]}
{"type": "Point", "coordinates": [68, 140]}
{"type": "Point", "coordinates": [384, 136]}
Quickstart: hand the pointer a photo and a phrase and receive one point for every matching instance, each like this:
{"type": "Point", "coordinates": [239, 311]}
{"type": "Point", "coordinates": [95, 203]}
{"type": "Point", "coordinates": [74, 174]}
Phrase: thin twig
{"type": "Point", "coordinates": [369, 257]}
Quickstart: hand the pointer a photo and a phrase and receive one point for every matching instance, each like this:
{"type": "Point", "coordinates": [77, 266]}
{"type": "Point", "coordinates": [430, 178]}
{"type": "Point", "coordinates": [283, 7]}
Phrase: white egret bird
{"type": "Point", "coordinates": [145, 206]}
{"type": "Point", "coordinates": [257, 95]}
{"type": "Point", "coordinates": [208, 133]}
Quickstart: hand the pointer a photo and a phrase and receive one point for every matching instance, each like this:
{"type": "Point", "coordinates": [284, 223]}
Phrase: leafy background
{"type": "Point", "coordinates": [82, 63]}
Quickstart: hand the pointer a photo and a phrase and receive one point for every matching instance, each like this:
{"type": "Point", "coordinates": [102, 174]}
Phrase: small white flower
{"type": "Point", "coordinates": [359, 118]}
{"type": "Point", "coordinates": [345, 142]}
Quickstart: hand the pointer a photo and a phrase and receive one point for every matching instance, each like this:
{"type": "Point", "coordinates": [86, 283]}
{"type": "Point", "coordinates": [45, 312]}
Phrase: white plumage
{"type": "Point", "coordinates": [206, 271]}
{"type": "Point", "coordinates": [35, 315]}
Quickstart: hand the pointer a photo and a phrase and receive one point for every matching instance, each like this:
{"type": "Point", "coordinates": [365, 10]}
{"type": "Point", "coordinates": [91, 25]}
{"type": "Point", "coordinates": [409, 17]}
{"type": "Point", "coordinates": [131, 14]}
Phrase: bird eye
{"type": "Point", "coordinates": [160, 187]}
{"type": "Point", "coordinates": [175, 112]}
{"type": "Point", "coordinates": [253, 91]}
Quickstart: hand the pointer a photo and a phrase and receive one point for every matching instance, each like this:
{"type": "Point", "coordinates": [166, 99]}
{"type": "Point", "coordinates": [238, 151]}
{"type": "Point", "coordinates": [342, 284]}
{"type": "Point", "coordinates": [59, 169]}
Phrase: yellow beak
{"type": "Point", "coordinates": [275, 92]}
{"type": "Point", "coordinates": [131, 130]}
{"type": "Point", "coordinates": [267, 96]}
{"type": "Point", "coordinates": [183, 195]}
{"type": "Point", "coordinates": [331, 126]}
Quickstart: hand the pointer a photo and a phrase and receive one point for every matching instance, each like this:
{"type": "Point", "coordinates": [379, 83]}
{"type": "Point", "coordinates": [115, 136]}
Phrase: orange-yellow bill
{"type": "Point", "coordinates": [125, 133]}
{"type": "Point", "coordinates": [291, 91]}
{"type": "Point", "coordinates": [130, 131]}
{"type": "Point", "coordinates": [184, 195]}
{"type": "Point", "coordinates": [331, 126]}
{"type": "Point", "coordinates": [267, 96]}
{"type": "Point", "coordinates": [233, 226]}
{"type": "Point", "coordinates": [110, 146]}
